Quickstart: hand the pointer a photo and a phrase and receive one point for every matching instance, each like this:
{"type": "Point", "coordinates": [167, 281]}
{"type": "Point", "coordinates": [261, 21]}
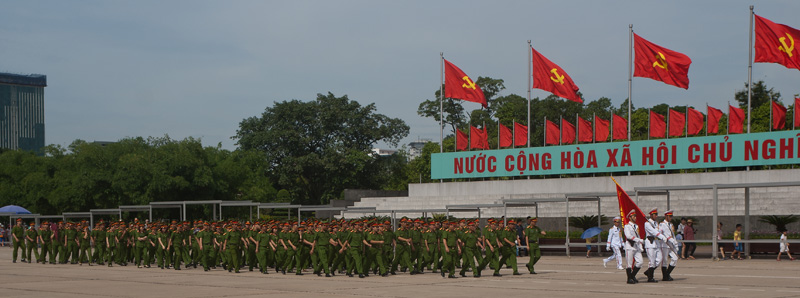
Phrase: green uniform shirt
{"type": "Point", "coordinates": [263, 239]}
{"type": "Point", "coordinates": [19, 232]}
{"type": "Point", "coordinates": [70, 234]}
{"type": "Point", "coordinates": [470, 239]}
{"type": "Point", "coordinates": [356, 239]}
{"type": "Point", "coordinates": [533, 234]}
{"type": "Point", "coordinates": [323, 239]}
{"type": "Point", "coordinates": [177, 239]}
{"type": "Point", "coordinates": [45, 235]}
{"type": "Point", "coordinates": [233, 237]}
{"type": "Point", "coordinates": [450, 238]}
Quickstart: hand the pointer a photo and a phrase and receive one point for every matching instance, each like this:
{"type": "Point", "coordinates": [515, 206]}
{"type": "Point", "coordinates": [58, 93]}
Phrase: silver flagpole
{"type": "Point", "coordinates": [707, 114]}
{"type": "Point", "coordinates": [728, 129]}
{"type": "Point", "coordinates": [749, 72]}
{"type": "Point", "coordinates": [630, 79]}
{"type": "Point", "coordinates": [612, 127]}
{"type": "Point", "coordinates": [686, 123]}
{"type": "Point", "coordinates": [498, 133]}
{"type": "Point", "coordinates": [560, 129]}
{"type": "Point", "coordinates": [594, 128]}
{"type": "Point", "coordinates": [577, 129]}
{"type": "Point", "coordinates": [441, 102]}
{"type": "Point", "coordinates": [514, 134]}
{"type": "Point", "coordinates": [668, 112]}
{"type": "Point", "coordinates": [649, 122]}
{"type": "Point", "coordinates": [545, 131]}
{"type": "Point", "coordinates": [770, 114]}
{"type": "Point", "coordinates": [530, 77]}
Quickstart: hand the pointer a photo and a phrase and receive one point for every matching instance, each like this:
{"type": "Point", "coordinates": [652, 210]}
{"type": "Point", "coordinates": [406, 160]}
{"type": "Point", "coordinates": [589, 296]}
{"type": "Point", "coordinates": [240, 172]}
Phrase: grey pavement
{"type": "Point", "coordinates": [558, 276]}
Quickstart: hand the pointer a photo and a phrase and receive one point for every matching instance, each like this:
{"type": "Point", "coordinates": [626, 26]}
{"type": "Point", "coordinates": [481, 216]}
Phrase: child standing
{"type": "Point", "coordinates": [784, 246]}
{"type": "Point", "coordinates": [738, 247]}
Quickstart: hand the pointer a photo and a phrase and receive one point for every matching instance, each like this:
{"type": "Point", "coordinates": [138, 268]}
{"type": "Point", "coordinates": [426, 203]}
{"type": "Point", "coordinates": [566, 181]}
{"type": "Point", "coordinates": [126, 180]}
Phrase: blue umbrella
{"type": "Point", "coordinates": [14, 209]}
{"type": "Point", "coordinates": [591, 232]}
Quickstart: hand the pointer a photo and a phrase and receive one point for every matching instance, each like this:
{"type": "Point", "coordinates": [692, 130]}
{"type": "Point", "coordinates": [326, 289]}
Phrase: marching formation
{"type": "Point", "coordinates": [351, 247]}
{"type": "Point", "coordinates": [660, 245]}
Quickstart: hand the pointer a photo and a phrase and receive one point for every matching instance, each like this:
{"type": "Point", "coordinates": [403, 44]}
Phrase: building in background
{"type": "Point", "coordinates": [22, 111]}
{"type": "Point", "coordinates": [415, 148]}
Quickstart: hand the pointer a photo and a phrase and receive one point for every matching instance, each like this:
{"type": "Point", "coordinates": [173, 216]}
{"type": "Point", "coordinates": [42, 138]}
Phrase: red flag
{"type": "Point", "coordinates": [778, 116]}
{"type": "Point", "coordinates": [550, 77]}
{"type": "Point", "coordinates": [478, 139]}
{"type": "Point", "coordinates": [462, 140]}
{"type": "Point", "coordinates": [713, 119]}
{"type": "Point", "coordinates": [520, 135]}
{"type": "Point", "coordinates": [600, 129]}
{"type": "Point", "coordinates": [620, 128]}
{"type": "Point", "coordinates": [658, 127]}
{"type": "Point", "coordinates": [625, 207]}
{"type": "Point", "coordinates": [735, 120]}
{"type": "Point", "coordinates": [584, 130]}
{"type": "Point", "coordinates": [677, 122]}
{"type": "Point", "coordinates": [695, 119]}
{"type": "Point", "coordinates": [775, 43]}
{"type": "Point", "coordinates": [458, 85]}
{"type": "Point", "coordinates": [794, 112]}
{"type": "Point", "coordinates": [660, 64]}
{"type": "Point", "coordinates": [552, 133]}
{"type": "Point", "coordinates": [567, 132]}
{"type": "Point", "coordinates": [505, 136]}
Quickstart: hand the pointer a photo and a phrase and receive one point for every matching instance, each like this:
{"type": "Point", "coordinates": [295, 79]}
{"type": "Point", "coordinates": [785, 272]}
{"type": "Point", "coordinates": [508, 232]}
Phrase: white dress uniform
{"type": "Point", "coordinates": [633, 245]}
{"type": "Point", "coordinates": [614, 244]}
{"type": "Point", "coordinates": [653, 243]}
{"type": "Point", "coordinates": [669, 248]}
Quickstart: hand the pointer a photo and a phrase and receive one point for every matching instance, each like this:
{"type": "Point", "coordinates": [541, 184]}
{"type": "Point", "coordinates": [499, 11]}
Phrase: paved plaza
{"type": "Point", "coordinates": [558, 276]}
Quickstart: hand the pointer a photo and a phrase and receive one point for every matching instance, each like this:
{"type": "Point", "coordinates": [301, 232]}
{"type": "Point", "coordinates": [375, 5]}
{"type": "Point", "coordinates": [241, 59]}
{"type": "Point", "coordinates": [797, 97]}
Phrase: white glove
{"type": "Point", "coordinates": [608, 248]}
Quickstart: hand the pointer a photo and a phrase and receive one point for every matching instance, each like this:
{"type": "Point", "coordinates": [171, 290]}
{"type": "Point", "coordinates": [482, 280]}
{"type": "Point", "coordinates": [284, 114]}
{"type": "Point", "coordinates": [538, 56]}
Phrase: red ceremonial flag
{"type": "Point", "coordinates": [775, 43]}
{"type": "Point", "coordinates": [479, 139]}
{"type": "Point", "coordinates": [620, 128]}
{"type": "Point", "coordinates": [794, 112]}
{"type": "Point", "coordinates": [458, 85]}
{"type": "Point", "coordinates": [552, 133]}
{"type": "Point", "coordinates": [520, 135]}
{"type": "Point", "coordinates": [713, 119]}
{"type": "Point", "coordinates": [778, 116]}
{"type": "Point", "coordinates": [462, 140]}
{"type": "Point", "coordinates": [600, 129]}
{"type": "Point", "coordinates": [695, 119]}
{"type": "Point", "coordinates": [550, 77]}
{"type": "Point", "coordinates": [625, 207]}
{"type": "Point", "coordinates": [505, 136]}
{"type": "Point", "coordinates": [660, 64]}
{"type": "Point", "coordinates": [567, 132]}
{"type": "Point", "coordinates": [584, 130]}
{"type": "Point", "coordinates": [658, 127]}
{"type": "Point", "coordinates": [735, 120]}
{"type": "Point", "coordinates": [677, 122]}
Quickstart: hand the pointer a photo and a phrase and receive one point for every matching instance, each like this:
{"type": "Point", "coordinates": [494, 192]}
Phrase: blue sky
{"type": "Point", "coordinates": [197, 68]}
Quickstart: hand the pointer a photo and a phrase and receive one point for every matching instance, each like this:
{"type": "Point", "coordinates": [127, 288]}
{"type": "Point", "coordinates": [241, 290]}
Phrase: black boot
{"type": "Point", "coordinates": [629, 272]}
{"type": "Point", "coordinates": [669, 273]}
{"type": "Point", "coordinates": [650, 276]}
{"type": "Point", "coordinates": [664, 274]}
{"type": "Point", "coordinates": [633, 274]}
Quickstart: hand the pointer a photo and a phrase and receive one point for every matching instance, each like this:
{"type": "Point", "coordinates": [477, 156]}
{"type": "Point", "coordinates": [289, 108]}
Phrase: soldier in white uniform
{"type": "Point", "coordinates": [669, 247]}
{"type": "Point", "coordinates": [614, 244]}
{"type": "Point", "coordinates": [653, 244]}
{"type": "Point", "coordinates": [633, 248]}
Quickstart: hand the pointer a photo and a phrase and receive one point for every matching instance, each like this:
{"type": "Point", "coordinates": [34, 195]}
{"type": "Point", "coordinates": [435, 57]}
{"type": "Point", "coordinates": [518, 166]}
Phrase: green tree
{"type": "Point", "coordinates": [317, 149]}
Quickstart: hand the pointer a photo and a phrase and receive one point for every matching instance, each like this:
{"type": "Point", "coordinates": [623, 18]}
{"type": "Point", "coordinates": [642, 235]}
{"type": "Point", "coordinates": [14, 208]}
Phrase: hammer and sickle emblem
{"type": "Point", "coordinates": [558, 79]}
{"type": "Point", "coordinates": [784, 48]}
{"type": "Point", "coordinates": [468, 84]}
{"type": "Point", "coordinates": [661, 61]}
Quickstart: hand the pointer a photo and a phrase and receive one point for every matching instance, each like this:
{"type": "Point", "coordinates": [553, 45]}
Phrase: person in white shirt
{"type": "Point", "coordinates": [614, 244]}
{"type": "Point", "coordinates": [633, 248]}
{"type": "Point", "coordinates": [653, 244]}
{"type": "Point", "coordinates": [669, 247]}
{"type": "Point", "coordinates": [784, 246]}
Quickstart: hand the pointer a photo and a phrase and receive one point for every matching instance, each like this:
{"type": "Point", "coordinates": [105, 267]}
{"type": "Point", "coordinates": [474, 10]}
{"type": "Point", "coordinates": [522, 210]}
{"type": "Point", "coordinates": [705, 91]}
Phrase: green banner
{"type": "Point", "coordinates": [755, 149]}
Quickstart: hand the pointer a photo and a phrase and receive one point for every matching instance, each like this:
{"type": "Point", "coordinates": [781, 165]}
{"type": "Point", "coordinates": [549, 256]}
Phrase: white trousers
{"type": "Point", "coordinates": [634, 257]}
{"type": "Point", "coordinates": [654, 257]}
{"type": "Point", "coordinates": [616, 255]}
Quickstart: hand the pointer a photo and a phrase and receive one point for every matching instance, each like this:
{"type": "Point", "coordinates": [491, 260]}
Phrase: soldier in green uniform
{"type": "Point", "coordinates": [507, 238]}
{"type": "Point", "coordinates": [308, 240]}
{"type": "Point", "coordinates": [262, 244]}
{"type": "Point", "coordinates": [232, 246]}
{"type": "Point", "coordinates": [353, 247]}
{"type": "Point", "coordinates": [152, 245]}
{"type": "Point", "coordinates": [111, 244]}
{"type": "Point", "coordinates": [219, 239]}
{"type": "Point", "coordinates": [416, 247]}
{"type": "Point", "coordinates": [283, 248]}
{"type": "Point", "coordinates": [339, 235]}
{"type": "Point", "coordinates": [140, 246]}
{"type": "Point", "coordinates": [472, 250]}
{"type": "Point", "coordinates": [403, 248]}
{"type": "Point", "coordinates": [31, 243]}
{"type": "Point", "coordinates": [18, 235]}
{"type": "Point", "coordinates": [179, 245]}
{"type": "Point", "coordinates": [322, 246]}
{"type": "Point", "coordinates": [72, 243]}
{"type": "Point", "coordinates": [44, 239]}
{"type": "Point", "coordinates": [451, 248]}
{"type": "Point", "coordinates": [376, 240]}
{"type": "Point", "coordinates": [162, 248]}
{"type": "Point", "coordinates": [532, 233]}
{"type": "Point", "coordinates": [99, 240]}
{"type": "Point", "coordinates": [205, 245]}
{"type": "Point", "coordinates": [85, 241]}
{"type": "Point", "coordinates": [428, 246]}
{"type": "Point", "coordinates": [58, 242]}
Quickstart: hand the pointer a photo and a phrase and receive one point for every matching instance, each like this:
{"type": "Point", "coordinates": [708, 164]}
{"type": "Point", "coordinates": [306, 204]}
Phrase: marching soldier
{"type": "Point", "coordinates": [99, 239]}
{"type": "Point", "coordinates": [85, 241]}
{"type": "Point", "coordinates": [633, 247]}
{"type": "Point", "coordinates": [614, 244]}
{"type": "Point", "coordinates": [653, 244]}
{"type": "Point", "coordinates": [450, 245]}
{"type": "Point", "coordinates": [669, 247]}
{"type": "Point", "coordinates": [31, 237]}
{"type": "Point", "coordinates": [45, 240]}
{"type": "Point", "coordinates": [507, 243]}
{"type": "Point", "coordinates": [532, 233]}
{"type": "Point", "coordinates": [471, 251]}
{"type": "Point", "coordinates": [18, 235]}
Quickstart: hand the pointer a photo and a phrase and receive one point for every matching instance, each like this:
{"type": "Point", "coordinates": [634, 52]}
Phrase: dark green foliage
{"type": "Point", "coordinates": [587, 221]}
{"type": "Point", "coordinates": [779, 221]}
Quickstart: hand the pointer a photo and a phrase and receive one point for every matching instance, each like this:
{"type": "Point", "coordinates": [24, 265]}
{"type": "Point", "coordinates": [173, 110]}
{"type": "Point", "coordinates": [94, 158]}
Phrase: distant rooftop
{"type": "Point", "coordinates": [36, 80]}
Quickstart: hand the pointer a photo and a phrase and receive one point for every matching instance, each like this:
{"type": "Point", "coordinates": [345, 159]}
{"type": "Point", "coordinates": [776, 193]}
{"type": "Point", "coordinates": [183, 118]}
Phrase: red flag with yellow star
{"type": "Point", "coordinates": [660, 64]}
{"type": "Point", "coordinates": [775, 43]}
{"type": "Point", "coordinates": [458, 85]}
{"type": "Point", "coordinates": [550, 77]}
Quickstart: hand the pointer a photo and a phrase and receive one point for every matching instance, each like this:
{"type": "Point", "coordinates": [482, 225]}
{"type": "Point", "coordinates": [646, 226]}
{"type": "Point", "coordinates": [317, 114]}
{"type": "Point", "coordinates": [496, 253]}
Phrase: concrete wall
{"type": "Point", "coordinates": [764, 201]}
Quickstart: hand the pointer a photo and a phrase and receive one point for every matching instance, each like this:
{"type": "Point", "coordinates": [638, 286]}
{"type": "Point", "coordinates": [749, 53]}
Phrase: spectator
{"type": "Point", "coordinates": [784, 246]}
{"type": "Point", "coordinates": [721, 246]}
{"type": "Point", "coordinates": [679, 236]}
{"type": "Point", "coordinates": [2, 235]}
{"type": "Point", "coordinates": [588, 246]}
{"type": "Point", "coordinates": [688, 231]}
{"type": "Point", "coordinates": [521, 236]}
{"type": "Point", "coordinates": [738, 247]}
